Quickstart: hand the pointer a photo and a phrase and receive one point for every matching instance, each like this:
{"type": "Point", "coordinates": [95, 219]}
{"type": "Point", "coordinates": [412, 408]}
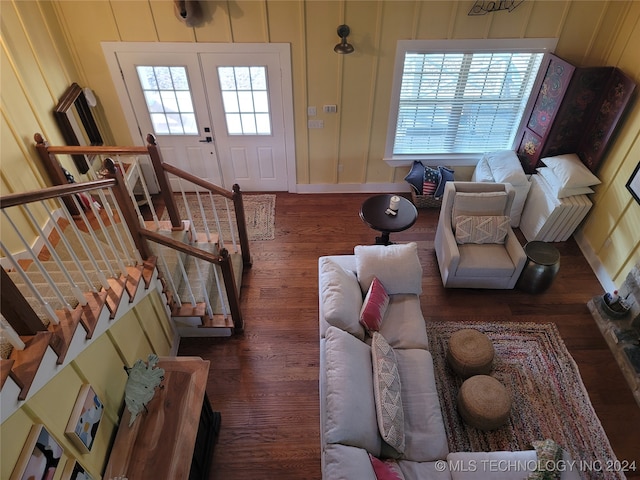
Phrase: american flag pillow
{"type": "Point", "coordinates": [431, 180]}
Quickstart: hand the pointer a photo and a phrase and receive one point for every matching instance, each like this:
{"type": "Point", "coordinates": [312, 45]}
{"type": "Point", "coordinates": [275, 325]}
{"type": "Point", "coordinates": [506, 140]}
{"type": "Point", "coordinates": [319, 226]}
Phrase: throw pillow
{"type": "Point", "coordinates": [387, 393]}
{"type": "Point", "coordinates": [431, 180]}
{"type": "Point", "coordinates": [481, 229]}
{"type": "Point", "coordinates": [415, 177]}
{"type": "Point", "coordinates": [479, 203]}
{"type": "Point", "coordinates": [558, 190]}
{"type": "Point", "coordinates": [386, 469]}
{"type": "Point", "coordinates": [549, 454]}
{"type": "Point", "coordinates": [374, 306]}
{"type": "Point", "coordinates": [571, 172]}
{"type": "Point", "coordinates": [506, 167]}
{"type": "Point", "coordinates": [446, 175]}
{"type": "Point", "coordinates": [396, 266]}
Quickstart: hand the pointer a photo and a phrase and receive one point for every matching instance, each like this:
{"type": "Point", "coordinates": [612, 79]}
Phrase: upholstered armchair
{"type": "Point", "coordinates": [475, 245]}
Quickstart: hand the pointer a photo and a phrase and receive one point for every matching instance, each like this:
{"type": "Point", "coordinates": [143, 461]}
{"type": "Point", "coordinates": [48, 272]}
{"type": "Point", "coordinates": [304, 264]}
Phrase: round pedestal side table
{"type": "Point", "coordinates": [373, 213]}
{"type": "Point", "coordinates": [543, 264]}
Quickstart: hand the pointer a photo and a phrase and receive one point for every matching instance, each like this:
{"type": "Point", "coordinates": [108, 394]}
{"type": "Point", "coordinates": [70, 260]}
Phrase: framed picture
{"type": "Point", "coordinates": [74, 471]}
{"type": "Point", "coordinates": [40, 456]}
{"type": "Point", "coordinates": [633, 185]}
{"type": "Point", "coordinates": [85, 419]}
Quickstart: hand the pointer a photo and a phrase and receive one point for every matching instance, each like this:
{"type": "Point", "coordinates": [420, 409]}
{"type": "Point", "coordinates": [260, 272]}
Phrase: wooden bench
{"type": "Point", "coordinates": [174, 438]}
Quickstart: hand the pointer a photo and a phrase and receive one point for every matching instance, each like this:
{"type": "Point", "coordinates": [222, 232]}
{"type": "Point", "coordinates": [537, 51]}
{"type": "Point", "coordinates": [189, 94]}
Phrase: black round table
{"type": "Point", "coordinates": [373, 213]}
{"type": "Point", "coordinates": [543, 263]}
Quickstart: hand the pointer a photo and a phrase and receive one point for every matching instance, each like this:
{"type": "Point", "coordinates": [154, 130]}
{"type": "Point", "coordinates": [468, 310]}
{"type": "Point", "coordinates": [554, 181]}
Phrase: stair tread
{"type": "Point", "coordinates": [27, 361]}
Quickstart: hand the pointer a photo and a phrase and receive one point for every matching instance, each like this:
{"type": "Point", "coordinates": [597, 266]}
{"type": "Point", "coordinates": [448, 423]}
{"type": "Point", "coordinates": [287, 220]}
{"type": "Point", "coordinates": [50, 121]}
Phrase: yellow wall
{"type": "Point", "coordinates": [47, 45]}
{"type": "Point", "coordinates": [141, 331]}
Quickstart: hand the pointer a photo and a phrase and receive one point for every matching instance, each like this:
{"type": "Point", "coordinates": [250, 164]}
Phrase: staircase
{"type": "Point", "coordinates": [91, 262]}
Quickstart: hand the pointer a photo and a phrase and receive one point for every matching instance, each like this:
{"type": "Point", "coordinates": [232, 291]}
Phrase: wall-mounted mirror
{"type": "Point", "coordinates": [77, 124]}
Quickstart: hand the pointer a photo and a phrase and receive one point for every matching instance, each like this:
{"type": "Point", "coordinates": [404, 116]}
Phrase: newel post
{"type": "Point", "coordinates": [123, 198]}
{"type": "Point", "coordinates": [163, 183]}
{"type": "Point", "coordinates": [238, 205]}
{"type": "Point", "coordinates": [17, 310]}
{"type": "Point", "coordinates": [232, 291]}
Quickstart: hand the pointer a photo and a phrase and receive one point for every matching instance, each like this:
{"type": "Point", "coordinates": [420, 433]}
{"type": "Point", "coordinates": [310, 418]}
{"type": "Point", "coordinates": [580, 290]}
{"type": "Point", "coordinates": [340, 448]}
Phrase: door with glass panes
{"type": "Point", "coordinates": [217, 116]}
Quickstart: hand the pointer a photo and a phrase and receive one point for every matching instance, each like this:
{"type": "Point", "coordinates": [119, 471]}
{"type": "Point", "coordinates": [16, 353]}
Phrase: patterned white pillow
{"type": "Point", "coordinates": [386, 387]}
{"type": "Point", "coordinates": [481, 229]}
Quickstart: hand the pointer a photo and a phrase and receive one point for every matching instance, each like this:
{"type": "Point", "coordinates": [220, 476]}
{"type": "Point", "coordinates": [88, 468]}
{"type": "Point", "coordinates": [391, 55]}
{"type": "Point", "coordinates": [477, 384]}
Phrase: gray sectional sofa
{"type": "Point", "coordinates": [349, 427]}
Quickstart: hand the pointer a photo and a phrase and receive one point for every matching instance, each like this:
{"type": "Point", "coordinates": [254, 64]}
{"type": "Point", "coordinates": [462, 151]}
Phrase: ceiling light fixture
{"type": "Point", "coordinates": [343, 47]}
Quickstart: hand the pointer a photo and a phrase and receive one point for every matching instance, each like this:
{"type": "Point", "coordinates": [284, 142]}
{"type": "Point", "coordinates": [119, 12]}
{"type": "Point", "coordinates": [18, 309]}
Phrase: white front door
{"type": "Point", "coordinates": [224, 117]}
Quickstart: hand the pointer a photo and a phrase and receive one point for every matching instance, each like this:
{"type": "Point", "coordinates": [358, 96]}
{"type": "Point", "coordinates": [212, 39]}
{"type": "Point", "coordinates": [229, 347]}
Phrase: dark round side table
{"type": "Point", "coordinates": [373, 214]}
{"type": "Point", "coordinates": [543, 263]}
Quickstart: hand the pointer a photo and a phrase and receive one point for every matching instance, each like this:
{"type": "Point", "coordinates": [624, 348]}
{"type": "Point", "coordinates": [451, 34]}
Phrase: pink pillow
{"type": "Point", "coordinates": [374, 306]}
{"type": "Point", "coordinates": [385, 469]}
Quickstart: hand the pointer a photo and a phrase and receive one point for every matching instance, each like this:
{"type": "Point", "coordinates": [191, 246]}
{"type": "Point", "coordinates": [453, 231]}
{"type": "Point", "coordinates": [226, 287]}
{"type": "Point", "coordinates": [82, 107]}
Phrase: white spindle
{"type": "Point", "coordinates": [147, 197]}
{"type": "Point", "coordinates": [9, 334]}
{"type": "Point", "coordinates": [192, 227]}
{"type": "Point", "coordinates": [204, 217]}
{"type": "Point", "coordinates": [75, 289]}
{"type": "Point", "coordinates": [216, 217]}
{"type": "Point", "coordinates": [137, 258]}
{"type": "Point", "coordinates": [204, 288]}
{"type": "Point", "coordinates": [185, 278]}
{"type": "Point", "coordinates": [51, 314]}
{"type": "Point", "coordinates": [74, 257]}
{"type": "Point", "coordinates": [174, 289]}
{"type": "Point", "coordinates": [220, 291]}
{"type": "Point", "coordinates": [231, 225]}
{"type": "Point", "coordinates": [96, 242]}
{"type": "Point", "coordinates": [107, 240]}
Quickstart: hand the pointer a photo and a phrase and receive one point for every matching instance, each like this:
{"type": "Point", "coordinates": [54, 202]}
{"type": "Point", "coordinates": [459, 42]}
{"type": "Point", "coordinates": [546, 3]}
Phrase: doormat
{"type": "Point", "coordinates": [549, 399]}
{"type": "Point", "coordinates": [259, 210]}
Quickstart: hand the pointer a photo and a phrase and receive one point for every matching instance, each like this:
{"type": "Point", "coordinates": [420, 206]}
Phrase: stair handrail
{"type": "Point", "coordinates": [162, 170]}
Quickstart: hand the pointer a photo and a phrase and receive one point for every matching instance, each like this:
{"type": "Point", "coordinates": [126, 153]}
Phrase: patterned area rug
{"type": "Point", "coordinates": [549, 398]}
{"type": "Point", "coordinates": [259, 211]}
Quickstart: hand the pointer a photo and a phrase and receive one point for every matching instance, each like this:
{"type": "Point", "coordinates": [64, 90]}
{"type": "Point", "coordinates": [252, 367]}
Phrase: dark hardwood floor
{"type": "Point", "coordinates": [265, 381]}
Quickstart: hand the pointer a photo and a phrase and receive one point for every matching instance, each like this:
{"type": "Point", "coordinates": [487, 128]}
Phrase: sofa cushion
{"type": "Point", "coordinates": [397, 266]}
{"type": "Point", "coordinates": [350, 416]}
{"type": "Point", "coordinates": [403, 325]}
{"type": "Point", "coordinates": [387, 393]}
{"type": "Point", "coordinates": [425, 437]}
{"type": "Point", "coordinates": [341, 297]}
{"type": "Point", "coordinates": [473, 261]}
{"type": "Point", "coordinates": [437, 470]}
{"type": "Point", "coordinates": [500, 465]}
{"type": "Point", "coordinates": [343, 462]}
{"type": "Point", "coordinates": [386, 469]}
{"type": "Point", "coordinates": [481, 229]}
{"type": "Point", "coordinates": [374, 306]}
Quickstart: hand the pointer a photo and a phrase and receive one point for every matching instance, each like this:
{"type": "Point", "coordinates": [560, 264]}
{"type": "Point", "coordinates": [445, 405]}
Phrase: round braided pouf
{"type": "Point", "coordinates": [484, 403]}
{"type": "Point", "coordinates": [470, 353]}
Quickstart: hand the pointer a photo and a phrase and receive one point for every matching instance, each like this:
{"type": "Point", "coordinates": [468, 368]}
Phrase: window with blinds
{"type": "Point", "coordinates": [457, 99]}
{"type": "Point", "coordinates": [462, 102]}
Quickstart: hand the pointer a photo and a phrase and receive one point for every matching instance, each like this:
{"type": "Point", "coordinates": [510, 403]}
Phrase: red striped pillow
{"type": "Point", "coordinates": [374, 306]}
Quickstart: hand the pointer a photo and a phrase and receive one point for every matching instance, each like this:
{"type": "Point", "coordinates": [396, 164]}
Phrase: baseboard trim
{"type": "Point", "coordinates": [593, 260]}
{"type": "Point", "coordinates": [398, 187]}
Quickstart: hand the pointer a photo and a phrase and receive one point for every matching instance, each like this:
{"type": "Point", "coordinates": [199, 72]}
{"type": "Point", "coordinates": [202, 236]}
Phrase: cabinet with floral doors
{"type": "Point", "coordinates": [572, 110]}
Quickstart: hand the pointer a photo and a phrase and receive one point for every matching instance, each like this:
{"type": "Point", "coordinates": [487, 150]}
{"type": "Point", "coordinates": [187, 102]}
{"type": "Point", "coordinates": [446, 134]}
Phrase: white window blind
{"type": "Point", "coordinates": [462, 102]}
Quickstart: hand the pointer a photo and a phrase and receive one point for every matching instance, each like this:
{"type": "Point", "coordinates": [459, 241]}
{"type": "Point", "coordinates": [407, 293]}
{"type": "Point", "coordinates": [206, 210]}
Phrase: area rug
{"type": "Point", "coordinates": [259, 212]}
{"type": "Point", "coordinates": [549, 397]}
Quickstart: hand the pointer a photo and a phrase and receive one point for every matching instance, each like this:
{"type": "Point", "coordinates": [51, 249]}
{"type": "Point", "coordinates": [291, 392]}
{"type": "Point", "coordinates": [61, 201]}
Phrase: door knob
{"type": "Point", "coordinates": [207, 140]}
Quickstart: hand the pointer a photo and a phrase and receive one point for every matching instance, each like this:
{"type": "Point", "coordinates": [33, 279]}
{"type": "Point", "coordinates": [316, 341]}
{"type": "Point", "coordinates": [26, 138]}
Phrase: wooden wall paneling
{"type": "Point", "coordinates": [168, 26]}
{"type": "Point", "coordinates": [287, 25]}
{"type": "Point", "coordinates": [395, 17]}
{"type": "Point", "coordinates": [19, 424]}
{"type": "Point", "coordinates": [614, 26]}
{"type": "Point", "coordinates": [217, 24]}
{"type": "Point", "coordinates": [135, 21]}
{"type": "Point", "coordinates": [624, 53]}
{"type": "Point", "coordinates": [434, 19]}
{"type": "Point", "coordinates": [357, 89]}
{"type": "Point", "coordinates": [153, 328]}
{"type": "Point", "coordinates": [513, 24]}
{"type": "Point", "coordinates": [42, 39]}
{"type": "Point", "coordinates": [579, 31]}
{"type": "Point", "coordinates": [322, 20]}
{"type": "Point", "coordinates": [546, 19]}
{"type": "Point", "coordinates": [474, 26]}
{"type": "Point", "coordinates": [131, 340]}
{"type": "Point", "coordinates": [160, 314]}
{"type": "Point", "coordinates": [249, 22]}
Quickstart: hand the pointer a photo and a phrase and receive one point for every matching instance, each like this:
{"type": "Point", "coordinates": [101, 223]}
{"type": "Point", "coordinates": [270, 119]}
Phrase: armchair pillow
{"type": "Point", "coordinates": [374, 306]}
{"type": "Point", "coordinates": [481, 229]}
{"type": "Point", "coordinates": [479, 203]}
{"type": "Point", "coordinates": [396, 266]}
